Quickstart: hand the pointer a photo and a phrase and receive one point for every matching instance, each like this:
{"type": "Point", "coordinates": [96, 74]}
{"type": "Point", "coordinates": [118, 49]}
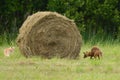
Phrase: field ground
{"type": "Point", "coordinates": [16, 67]}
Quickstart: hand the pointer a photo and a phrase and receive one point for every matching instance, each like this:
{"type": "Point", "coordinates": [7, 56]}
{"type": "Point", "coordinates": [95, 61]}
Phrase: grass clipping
{"type": "Point", "coordinates": [49, 34]}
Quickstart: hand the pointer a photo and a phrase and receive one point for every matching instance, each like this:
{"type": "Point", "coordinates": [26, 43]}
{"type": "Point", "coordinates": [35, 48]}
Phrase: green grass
{"type": "Point", "coordinates": [17, 67]}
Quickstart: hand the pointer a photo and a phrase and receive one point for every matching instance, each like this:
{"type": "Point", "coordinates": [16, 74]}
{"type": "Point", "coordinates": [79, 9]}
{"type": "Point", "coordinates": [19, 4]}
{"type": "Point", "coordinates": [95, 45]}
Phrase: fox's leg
{"type": "Point", "coordinates": [98, 56]}
{"type": "Point", "coordinates": [90, 57]}
{"type": "Point", "coordinates": [95, 56]}
{"type": "Point", "coordinates": [101, 54]}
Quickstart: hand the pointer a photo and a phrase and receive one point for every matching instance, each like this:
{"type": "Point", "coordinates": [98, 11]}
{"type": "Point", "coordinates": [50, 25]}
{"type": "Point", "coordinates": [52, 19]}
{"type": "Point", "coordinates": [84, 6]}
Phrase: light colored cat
{"type": "Point", "coordinates": [8, 51]}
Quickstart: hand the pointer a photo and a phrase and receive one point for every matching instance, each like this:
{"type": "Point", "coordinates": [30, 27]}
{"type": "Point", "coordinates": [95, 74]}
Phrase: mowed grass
{"type": "Point", "coordinates": [17, 67]}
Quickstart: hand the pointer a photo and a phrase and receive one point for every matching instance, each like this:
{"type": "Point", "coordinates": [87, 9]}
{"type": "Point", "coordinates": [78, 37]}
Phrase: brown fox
{"type": "Point", "coordinates": [95, 52]}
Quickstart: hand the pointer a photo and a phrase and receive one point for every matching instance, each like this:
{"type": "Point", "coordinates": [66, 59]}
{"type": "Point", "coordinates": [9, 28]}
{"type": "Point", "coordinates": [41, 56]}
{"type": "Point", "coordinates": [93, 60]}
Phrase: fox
{"type": "Point", "coordinates": [95, 52]}
{"type": "Point", "coordinates": [8, 51]}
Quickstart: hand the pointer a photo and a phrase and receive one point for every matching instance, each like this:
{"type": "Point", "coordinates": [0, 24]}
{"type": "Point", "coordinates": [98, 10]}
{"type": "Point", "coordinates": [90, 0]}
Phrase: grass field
{"type": "Point", "coordinates": [17, 67]}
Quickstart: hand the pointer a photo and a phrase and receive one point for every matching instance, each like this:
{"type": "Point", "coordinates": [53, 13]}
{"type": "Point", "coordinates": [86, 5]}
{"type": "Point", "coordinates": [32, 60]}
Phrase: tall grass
{"type": "Point", "coordinates": [7, 39]}
{"type": "Point", "coordinates": [100, 39]}
{"type": "Point", "coordinates": [17, 67]}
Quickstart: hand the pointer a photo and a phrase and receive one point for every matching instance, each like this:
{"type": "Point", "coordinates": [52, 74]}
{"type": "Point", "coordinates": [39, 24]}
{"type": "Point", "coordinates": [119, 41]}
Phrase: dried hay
{"type": "Point", "coordinates": [49, 34]}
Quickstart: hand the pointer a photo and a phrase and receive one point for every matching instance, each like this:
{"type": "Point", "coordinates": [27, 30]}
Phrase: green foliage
{"type": "Point", "coordinates": [101, 17]}
{"type": "Point", "coordinates": [14, 12]}
{"type": "Point", "coordinates": [93, 17]}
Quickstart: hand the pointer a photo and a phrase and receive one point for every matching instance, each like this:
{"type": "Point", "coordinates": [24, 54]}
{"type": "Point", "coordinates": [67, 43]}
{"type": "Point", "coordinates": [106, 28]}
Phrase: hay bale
{"type": "Point", "coordinates": [49, 34]}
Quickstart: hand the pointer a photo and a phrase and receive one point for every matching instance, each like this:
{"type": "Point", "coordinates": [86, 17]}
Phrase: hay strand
{"type": "Point", "coordinates": [49, 34]}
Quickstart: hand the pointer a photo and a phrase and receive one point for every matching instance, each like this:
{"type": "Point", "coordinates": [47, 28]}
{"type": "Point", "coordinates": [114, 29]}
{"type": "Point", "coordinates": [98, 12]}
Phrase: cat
{"type": "Point", "coordinates": [8, 51]}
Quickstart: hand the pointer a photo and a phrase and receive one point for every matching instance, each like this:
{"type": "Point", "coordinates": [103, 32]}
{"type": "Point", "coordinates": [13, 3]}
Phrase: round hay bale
{"type": "Point", "coordinates": [49, 34]}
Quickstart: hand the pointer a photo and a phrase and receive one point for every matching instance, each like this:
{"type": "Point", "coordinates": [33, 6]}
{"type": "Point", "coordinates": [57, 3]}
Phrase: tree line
{"type": "Point", "coordinates": [93, 17]}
